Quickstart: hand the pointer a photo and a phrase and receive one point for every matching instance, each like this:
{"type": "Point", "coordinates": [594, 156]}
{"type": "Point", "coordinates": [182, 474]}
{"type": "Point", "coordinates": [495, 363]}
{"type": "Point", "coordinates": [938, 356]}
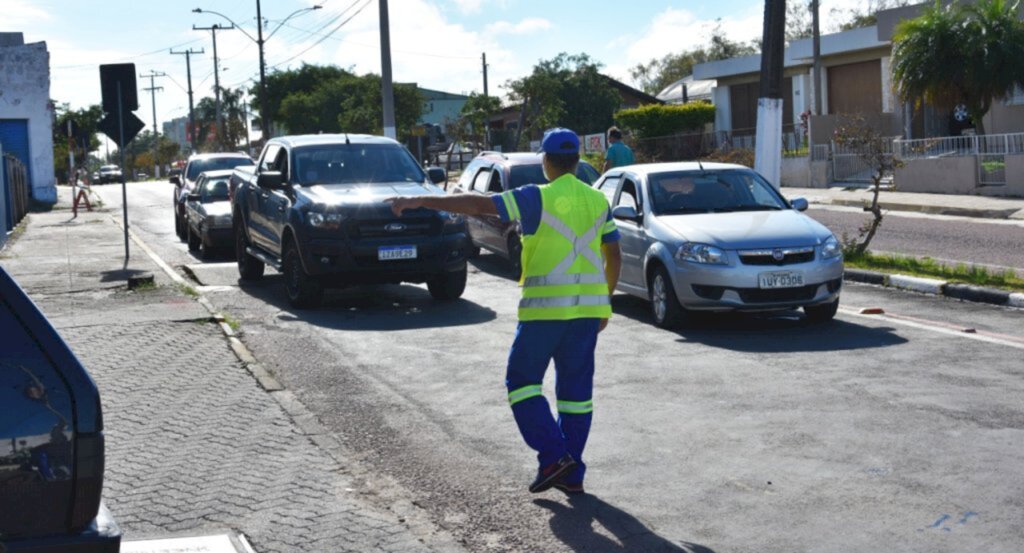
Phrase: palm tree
{"type": "Point", "coordinates": [950, 55]}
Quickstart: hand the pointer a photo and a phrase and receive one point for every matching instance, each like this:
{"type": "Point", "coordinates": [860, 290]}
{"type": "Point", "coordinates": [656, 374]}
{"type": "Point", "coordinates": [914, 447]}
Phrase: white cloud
{"type": "Point", "coordinates": [468, 6]}
{"type": "Point", "coordinates": [524, 27]}
{"type": "Point", "coordinates": [675, 30]}
{"type": "Point", "coordinates": [18, 13]}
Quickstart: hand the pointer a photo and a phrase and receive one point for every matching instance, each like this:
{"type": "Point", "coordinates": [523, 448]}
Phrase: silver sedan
{"type": "Point", "coordinates": [718, 237]}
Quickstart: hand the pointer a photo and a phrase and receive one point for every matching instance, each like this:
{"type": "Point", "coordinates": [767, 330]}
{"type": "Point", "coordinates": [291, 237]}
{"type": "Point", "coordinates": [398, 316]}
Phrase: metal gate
{"type": "Point", "coordinates": [847, 165]}
{"type": "Point", "coordinates": [14, 137]}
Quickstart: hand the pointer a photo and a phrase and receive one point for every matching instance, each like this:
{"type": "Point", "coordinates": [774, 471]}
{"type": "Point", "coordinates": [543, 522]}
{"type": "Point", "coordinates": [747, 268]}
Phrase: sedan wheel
{"type": "Point", "coordinates": [822, 313]}
{"type": "Point", "coordinates": [664, 305]}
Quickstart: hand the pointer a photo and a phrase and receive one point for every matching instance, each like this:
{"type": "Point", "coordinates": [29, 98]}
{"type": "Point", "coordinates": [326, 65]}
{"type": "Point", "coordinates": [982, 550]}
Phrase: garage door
{"type": "Point", "coordinates": [14, 138]}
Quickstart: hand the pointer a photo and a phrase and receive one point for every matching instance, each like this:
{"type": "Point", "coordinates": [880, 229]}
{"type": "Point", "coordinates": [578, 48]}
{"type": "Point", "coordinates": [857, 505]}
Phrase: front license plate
{"type": "Point", "coordinates": [389, 253]}
{"type": "Point", "coordinates": [780, 280]}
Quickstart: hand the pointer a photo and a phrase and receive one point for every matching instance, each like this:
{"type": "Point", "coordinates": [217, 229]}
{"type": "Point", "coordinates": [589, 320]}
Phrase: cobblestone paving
{"type": "Point", "coordinates": [194, 444]}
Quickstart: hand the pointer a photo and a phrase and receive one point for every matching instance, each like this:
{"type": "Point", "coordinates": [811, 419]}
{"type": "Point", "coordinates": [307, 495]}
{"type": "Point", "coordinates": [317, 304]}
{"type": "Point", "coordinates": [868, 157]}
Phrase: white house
{"type": "Point", "coordinates": [26, 115]}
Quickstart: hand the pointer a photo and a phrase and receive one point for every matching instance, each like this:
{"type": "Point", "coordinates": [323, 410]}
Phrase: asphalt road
{"type": "Point", "coordinates": [895, 432]}
{"type": "Point", "coordinates": [995, 242]}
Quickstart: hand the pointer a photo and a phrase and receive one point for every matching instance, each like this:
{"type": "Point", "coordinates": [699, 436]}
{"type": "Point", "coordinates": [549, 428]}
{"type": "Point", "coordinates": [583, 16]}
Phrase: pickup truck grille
{"type": "Point", "coordinates": [387, 228]}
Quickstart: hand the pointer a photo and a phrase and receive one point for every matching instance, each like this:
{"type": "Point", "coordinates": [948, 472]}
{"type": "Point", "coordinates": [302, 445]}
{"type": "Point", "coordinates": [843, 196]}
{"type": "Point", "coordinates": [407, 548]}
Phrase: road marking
{"type": "Point", "coordinates": [152, 255]}
{"type": "Point", "coordinates": [941, 328]}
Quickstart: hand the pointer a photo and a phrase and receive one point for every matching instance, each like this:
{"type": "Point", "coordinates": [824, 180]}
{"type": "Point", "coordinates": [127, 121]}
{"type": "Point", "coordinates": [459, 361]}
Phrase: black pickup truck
{"type": "Point", "coordinates": [313, 208]}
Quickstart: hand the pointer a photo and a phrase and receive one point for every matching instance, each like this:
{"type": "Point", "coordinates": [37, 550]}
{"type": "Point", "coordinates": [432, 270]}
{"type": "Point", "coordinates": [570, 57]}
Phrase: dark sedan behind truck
{"type": "Point", "coordinates": [208, 214]}
{"type": "Point", "coordinates": [51, 439]}
{"type": "Point", "coordinates": [185, 183]}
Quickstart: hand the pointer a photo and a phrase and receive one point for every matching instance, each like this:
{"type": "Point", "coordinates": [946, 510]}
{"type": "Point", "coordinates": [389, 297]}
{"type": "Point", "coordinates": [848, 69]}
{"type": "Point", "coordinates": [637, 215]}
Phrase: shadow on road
{"type": "Point", "coordinates": [573, 524]}
{"type": "Point", "coordinates": [788, 331]}
{"type": "Point", "coordinates": [372, 308]}
{"type": "Point", "coordinates": [492, 264]}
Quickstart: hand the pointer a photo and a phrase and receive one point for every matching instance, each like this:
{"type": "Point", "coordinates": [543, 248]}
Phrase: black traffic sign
{"type": "Point", "coordinates": [110, 127]}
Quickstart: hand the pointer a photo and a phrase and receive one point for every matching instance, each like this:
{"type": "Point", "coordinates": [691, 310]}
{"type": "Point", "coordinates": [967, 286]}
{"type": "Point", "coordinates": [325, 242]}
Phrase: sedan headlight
{"type": "Point", "coordinates": [324, 220]}
{"type": "Point", "coordinates": [701, 253]}
{"type": "Point", "coordinates": [831, 248]}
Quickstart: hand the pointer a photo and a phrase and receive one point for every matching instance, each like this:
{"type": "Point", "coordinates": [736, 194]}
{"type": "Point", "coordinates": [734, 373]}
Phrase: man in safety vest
{"type": "Point", "coordinates": [571, 264]}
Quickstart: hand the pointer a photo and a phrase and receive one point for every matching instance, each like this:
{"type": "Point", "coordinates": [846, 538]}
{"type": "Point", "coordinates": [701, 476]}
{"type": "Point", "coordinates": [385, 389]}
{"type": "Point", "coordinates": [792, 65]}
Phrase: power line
{"type": "Point", "coordinates": [411, 53]}
{"type": "Point", "coordinates": [334, 30]}
{"type": "Point", "coordinates": [137, 56]}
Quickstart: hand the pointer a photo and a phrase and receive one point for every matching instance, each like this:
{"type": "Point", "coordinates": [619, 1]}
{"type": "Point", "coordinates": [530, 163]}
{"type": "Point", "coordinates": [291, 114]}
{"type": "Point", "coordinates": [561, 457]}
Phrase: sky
{"type": "Point", "coordinates": [435, 43]}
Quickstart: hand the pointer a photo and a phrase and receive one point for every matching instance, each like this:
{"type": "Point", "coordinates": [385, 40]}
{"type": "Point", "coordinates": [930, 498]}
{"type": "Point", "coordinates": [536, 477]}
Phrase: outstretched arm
{"type": "Point", "coordinates": [468, 204]}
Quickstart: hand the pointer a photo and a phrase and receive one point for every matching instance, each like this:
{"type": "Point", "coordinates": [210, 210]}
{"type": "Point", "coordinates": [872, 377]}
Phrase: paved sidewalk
{"type": "Point", "coordinates": [194, 444]}
{"type": "Point", "coordinates": [940, 204]}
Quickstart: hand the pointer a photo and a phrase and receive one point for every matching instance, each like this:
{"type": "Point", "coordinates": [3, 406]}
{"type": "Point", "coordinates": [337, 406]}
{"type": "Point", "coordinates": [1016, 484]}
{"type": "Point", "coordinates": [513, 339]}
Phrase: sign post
{"type": "Point", "coordinates": [118, 83]}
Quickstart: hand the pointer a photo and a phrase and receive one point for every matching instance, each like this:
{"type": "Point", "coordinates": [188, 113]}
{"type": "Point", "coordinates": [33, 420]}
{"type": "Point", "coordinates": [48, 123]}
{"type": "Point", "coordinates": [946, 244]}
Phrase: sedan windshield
{"type": "Point", "coordinates": [215, 164]}
{"type": "Point", "coordinates": [355, 164]}
{"type": "Point", "coordinates": [719, 191]}
{"type": "Point", "coordinates": [215, 189]}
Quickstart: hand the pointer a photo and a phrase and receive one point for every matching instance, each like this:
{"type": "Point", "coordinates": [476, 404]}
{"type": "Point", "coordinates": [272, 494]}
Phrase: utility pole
{"type": "Point", "coordinates": [264, 131]}
{"type": "Point", "coordinates": [152, 92]}
{"type": "Point", "coordinates": [245, 113]}
{"type": "Point", "coordinates": [484, 59]}
{"type": "Point", "coordinates": [768, 147]}
{"type": "Point", "coordinates": [216, 76]}
{"type": "Point", "coordinates": [385, 70]}
{"type": "Point", "coordinates": [817, 57]}
{"type": "Point", "coordinates": [191, 107]}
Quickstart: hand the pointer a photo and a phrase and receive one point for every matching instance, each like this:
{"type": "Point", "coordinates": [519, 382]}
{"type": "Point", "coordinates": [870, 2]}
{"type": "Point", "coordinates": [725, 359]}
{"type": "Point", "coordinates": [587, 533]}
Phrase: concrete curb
{"type": "Point", "coordinates": [932, 209]}
{"type": "Point", "coordinates": [965, 292]}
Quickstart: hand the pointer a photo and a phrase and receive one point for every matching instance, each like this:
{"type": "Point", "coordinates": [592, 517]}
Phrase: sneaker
{"type": "Point", "coordinates": [569, 489]}
{"type": "Point", "coordinates": [549, 475]}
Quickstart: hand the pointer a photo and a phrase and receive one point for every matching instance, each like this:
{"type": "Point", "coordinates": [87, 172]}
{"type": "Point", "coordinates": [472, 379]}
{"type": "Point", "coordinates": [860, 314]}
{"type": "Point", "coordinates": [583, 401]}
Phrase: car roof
{"type": "Point", "coordinates": [327, 139]}
{"type": "Point", "coordinates": [217, 173]}
{"type": "Point", "coordinates": [648, 168]}
{"type": "Point", "coordinates": [516, 158]}
{"type": "Point", "coordinates": [225, 155]}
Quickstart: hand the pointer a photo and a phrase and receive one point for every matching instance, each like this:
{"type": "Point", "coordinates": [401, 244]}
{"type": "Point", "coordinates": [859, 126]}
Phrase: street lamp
{"type": "Point", "coordinates": [260, 41]}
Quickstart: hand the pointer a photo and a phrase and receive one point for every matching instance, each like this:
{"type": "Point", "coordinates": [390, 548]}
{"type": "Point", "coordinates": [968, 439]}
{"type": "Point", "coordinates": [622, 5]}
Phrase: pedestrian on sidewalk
{"type": "Point", "coordinates": [618, 154]}
{"type": "Point", "coordinates": [571, 262]}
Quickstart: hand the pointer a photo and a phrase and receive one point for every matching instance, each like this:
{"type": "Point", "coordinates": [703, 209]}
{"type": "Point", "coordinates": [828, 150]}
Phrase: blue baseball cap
{"type": "Point", "coordinates": [560, 141]}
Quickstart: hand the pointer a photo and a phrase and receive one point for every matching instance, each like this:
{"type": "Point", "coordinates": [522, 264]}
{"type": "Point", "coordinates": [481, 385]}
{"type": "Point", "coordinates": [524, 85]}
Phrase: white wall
{"type": "Point", "coordinates": [25, 94]}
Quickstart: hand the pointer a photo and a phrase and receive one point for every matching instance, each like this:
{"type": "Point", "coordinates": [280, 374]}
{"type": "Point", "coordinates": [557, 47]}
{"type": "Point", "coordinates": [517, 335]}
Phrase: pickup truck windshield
{"type": "Point", "coordinates": [354, 164]}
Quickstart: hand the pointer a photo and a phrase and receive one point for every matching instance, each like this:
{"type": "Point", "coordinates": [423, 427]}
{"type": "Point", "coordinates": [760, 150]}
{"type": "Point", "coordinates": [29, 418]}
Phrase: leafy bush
{"type": "Point", "coordinates": [654, 120]}
{"type": "Point", "coordinates": [739, 156]}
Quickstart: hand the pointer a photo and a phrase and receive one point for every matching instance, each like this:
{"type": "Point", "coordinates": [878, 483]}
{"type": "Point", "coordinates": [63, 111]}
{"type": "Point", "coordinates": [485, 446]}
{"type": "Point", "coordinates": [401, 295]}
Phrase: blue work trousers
{"type": "Point", "coordinates": [571, 344]}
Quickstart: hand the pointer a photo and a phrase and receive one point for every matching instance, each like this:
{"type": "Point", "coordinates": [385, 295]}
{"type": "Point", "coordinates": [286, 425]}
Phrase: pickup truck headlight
{"type": "Point", "coordinates": [831, 248]}
{"type": "Point", "coordinates": [324, 220]}
{"type": "Point", "coordinates": [701, 253]}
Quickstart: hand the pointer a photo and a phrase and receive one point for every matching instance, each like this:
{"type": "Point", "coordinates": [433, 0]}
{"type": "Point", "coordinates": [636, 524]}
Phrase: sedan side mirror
{"type": "Point", "coordinates": [193, 197]}
{"type": "Point", "coordinates": [437, 174]}
{"type": "Point", "coordinates": [175, 180]}
{"type": "Point", "coordinates": [271, 180]}
{"type": "Point", "coordinates": [626, 212]}
{"type": "Point", "coordinates": [799, 204]}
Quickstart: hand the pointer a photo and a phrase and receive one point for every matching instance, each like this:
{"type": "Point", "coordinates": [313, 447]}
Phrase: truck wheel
{"type": "Point", "coordinates": [822, 313]}
{"type": "Point", "coordinates": [664, 304]}
{"type": "Point", "coordinates": [448, 286]}
{"type": "Point", "coordinates": [194, 240]}
{"type": "Point", "coordinates": [303, 291]}
{"type": "Point", "coordinates": [249, 268]}
{"type": "Point", "coordinates": [179, 226]}
{"type": "Point", "coordinates": [515, 255]}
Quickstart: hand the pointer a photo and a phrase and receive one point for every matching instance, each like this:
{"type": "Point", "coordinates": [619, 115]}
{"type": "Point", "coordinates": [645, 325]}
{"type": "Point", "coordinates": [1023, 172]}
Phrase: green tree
{"type": "Point", "coordinates": [473, 117]}
{"type": "Point", "coordinates": [655, 75]}
{"type": "Point", "coordinates": [88, 120]}
{"type": "Point", "coordinates": [232, 136]}
{"type": "Point", "coordinates": [951, 54]}
{"type": "Point", "coordinates": [568, 91]}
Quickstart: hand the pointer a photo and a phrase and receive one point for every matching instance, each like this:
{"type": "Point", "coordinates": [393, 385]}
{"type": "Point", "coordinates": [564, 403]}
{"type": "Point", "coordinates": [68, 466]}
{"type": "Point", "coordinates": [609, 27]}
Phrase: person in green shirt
{"type": "Point", "coordinates": [618, 154]}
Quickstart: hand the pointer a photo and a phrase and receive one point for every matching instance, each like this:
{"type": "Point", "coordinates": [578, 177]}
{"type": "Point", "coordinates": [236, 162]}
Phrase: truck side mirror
{"type": "Point", "coordinates": [271, 180]}
{"type": "Point", "coordinates": [193, 197]}
{"type": "Point", "coordinates": [437, 174]}
{"type": "Point", "coordinates": [175, 180]}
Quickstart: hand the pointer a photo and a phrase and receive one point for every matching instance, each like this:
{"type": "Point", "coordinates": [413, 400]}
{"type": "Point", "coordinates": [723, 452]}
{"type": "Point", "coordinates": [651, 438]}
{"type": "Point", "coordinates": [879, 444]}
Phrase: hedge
{"type": "Point", "coordinates": [654, 120]}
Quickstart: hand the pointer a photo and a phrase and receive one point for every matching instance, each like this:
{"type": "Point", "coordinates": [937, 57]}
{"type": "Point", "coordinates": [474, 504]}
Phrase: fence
{"type": "Point", "coordinates": [15, 180]}
{"type": "Point", "coordinates": [848, 166]}
{"type": "Point", "coordinates": [989, 149]}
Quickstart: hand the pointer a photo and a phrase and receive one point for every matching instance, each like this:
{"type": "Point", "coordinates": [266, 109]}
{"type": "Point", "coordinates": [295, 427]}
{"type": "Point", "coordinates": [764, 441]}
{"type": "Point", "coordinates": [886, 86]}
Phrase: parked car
{"type": "Point", "coordinates": [208, 213]}
{"type": "Point", "coordinates": [457, 154]}
{"type": "Point", "coordinates": [186, 181]}
{"type": "Point", "coordinates": [108, 174]}
{"type": "Point", "coordinates": [719, 237]}
{"type": "Point", "coordinates": [51, 438]}
{"type": "Point", "coordinates": [494, 173]}
{"type": "Point", "coordinates": [314, 209]}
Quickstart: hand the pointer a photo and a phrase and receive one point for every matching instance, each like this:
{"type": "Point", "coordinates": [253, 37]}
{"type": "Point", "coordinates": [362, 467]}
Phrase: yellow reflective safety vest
{"type": "Point", "coordinates": [563, 268]}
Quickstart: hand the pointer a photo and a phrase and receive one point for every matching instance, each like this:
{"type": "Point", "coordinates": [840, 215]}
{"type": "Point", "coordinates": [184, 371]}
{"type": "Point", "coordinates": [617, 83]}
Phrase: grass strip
{"type": "Point", "coordinates": [962, 273]}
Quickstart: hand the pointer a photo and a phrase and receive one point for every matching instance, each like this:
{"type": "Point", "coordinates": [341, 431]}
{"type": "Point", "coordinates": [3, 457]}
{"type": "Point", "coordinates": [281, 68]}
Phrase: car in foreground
{"type": "Point", "coordinates": [186, 181]}
{"type": "Point", "coordinates": [51, 439]}
{"type": "Point", "coordinates": [718, 237]}
{"type": "Point", "coordinates": [314, 209]}
{"type": "Point", "coordinates": [208, 214]}
{"type": "Point", "coordinates": [108, 174]}
{"type": "Point", "coordinates": [494, 173]}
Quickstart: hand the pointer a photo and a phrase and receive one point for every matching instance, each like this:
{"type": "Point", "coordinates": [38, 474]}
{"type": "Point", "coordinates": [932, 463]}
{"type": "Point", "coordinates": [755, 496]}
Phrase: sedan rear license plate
{"type": "Point", "coordinates": [780, 280]}
{"type": "Point", "coordinates": [390, 253]}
